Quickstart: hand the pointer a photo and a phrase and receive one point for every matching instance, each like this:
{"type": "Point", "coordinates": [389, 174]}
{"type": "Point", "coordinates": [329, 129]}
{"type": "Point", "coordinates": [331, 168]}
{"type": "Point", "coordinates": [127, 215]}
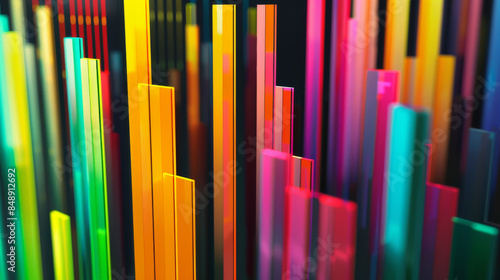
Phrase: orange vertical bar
{"type": "Point", "coordinates": [138, 71]}
{"type": "Point", "coordinates": [169, 238]}
{"type": "Point", "coordinates": [224, 73]}
{"type": "Point", "coordinates": [162, 119]}
{"type": "Point", "coordinates": [185, 227]}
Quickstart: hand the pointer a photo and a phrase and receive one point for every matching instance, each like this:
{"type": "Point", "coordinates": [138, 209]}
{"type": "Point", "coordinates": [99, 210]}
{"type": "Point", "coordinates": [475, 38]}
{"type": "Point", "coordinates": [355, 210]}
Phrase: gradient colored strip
{"type": "Point", "coordinates": [296, 233]}
{"type": "Point", "coordinates": [314, 82]}
{"type": "Point", "coordinates": [336, 238]}
{"type": "Point", "coordinates": [6, 154]}
{"type": "Point", "coordinates": [50, 95]}
{"type": "Point", "coordinates": [473, 239]}
{"type": "Point", "coordinates": [405, 194]}
{"type": "Point", "coordinates": [428, 39]}
{"type": "Point", "coordinates": [138, 59]}
{"type": "Point", "coordinates": [162, 117]}
{"type": "Point", "coordinates": [266, 74]}
{"type": "Point", "coordinates": [88, 34]}
{"type": "Point", "coordinates": [387, 93]}
{"type": "Point", "coordinates": [28, 231]}
{"type": "Point", "coordinates": [224, 117]}
{"type": "Point", "coordinates": [97, 192]}
{"type": "Point", "coordinates": [441, 120]}
{"type": "Point", "coordinates": [196, 130]}
{"type": "Point", "coordinates": [272, 183]}
{"type": "Point", "coordinates": [61, 245]}
{"type": "Point", "coordinates": [73, 52]}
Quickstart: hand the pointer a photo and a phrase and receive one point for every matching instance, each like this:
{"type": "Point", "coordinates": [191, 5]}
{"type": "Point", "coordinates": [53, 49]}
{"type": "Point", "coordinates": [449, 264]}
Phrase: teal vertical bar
{"type": "Point", "coordinates": [405, 193]}
{"type": "Point", "coordinates": [473, 203]}
{"type": "Point", "coordinates": [73, 52]}
{"type": "Point", "coordinates": [473, 252]}
{"type": "Point", "coordinates": [6, 156]}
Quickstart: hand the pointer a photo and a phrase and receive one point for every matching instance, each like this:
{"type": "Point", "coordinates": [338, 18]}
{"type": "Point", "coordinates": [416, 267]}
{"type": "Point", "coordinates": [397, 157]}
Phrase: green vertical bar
{"type": "Point", "coordinates": [473, 252]}
{"type": "Point", "coordinates": [180, 34]}
{"type": "Point", "coordinates": [62, 246]}
{"type": "Point", "coordinates": [73, 52]}
{"type": "Point", "coordinates": [29, 264]}
{"type": "Point", "coordinates": [405, 193]}
{"type": "Point", "coordinates": [6, 158]}
{"type": "Point", "coordinates": [94, 130]}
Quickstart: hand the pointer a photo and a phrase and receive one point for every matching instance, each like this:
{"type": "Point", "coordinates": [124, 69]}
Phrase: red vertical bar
{"type": "Point", "coordinates": [104, 22]}
{"type": "Point", "coordinates": [80, 19]}
{"type": "Point", "coordinates": [97, 32]}
{"type": "Point", "coordinates": [72, 18]}
{"type": "Point", "coordinates": [88, 23]}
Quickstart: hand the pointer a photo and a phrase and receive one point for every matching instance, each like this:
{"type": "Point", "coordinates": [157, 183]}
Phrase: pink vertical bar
{"type": "Point", "coordinates": [278, 119]}
{"type": "Point", "coordinates": [336, 238]}
{"type": "Point", "coordinates": [297, 224]}
{"type": "Point", "coordinates": [272, 182]}
{"type": "Point", "coordinates": [314, 81]}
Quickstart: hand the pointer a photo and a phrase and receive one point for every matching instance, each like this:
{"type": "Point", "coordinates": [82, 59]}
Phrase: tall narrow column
{"type": "Point", "coordinates": [224, 82]}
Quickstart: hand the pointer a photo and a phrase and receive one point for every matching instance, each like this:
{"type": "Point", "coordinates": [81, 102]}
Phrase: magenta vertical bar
{"type": "Point", "coordinates": [314, 82]}
{"type": "Point", "coordinates": [297, 224]}
{"type": "Point", "coordinates": [336, 169]}
{"type": "Point", "coordinates": [388, 88]}
{"type": "Point", "coordinates": [273, 179]}
{"type": "Point", "coordinates": [336, 238]}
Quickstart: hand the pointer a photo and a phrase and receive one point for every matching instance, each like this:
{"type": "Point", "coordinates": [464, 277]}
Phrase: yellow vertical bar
{"type": "Point", "coordinates": [185, 228]}
{"type": "Point", "coordinates": [396, 35]}
{"type": "Point", "coordinates": [224, 140]}
{"type": "Point", "coordinates": [29, 238]}
{"type": "Point", "coordinates": [441, 118]}
{"type": "Point", "coordinates": [162, 116]}
{"type": "Point", "coordinates": [136, 13]}
{"type": "Point", "coordinates": [428, 38]}
{"type": "Point", "coordinates": [61, 246]}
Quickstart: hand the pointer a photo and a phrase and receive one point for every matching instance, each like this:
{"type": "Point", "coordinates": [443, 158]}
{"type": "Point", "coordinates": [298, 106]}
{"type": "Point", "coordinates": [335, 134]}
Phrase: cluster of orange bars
{"type": "Point", "coordinates": [163, 203]}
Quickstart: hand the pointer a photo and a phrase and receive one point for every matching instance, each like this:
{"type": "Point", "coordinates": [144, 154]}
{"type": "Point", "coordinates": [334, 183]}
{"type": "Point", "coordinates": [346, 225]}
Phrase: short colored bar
{"type": "Point", "coordinates": [20, 142]}
{"type": "Point", "coordinates": [185, 227]}
{"type": "Point", "coordinates": [73, 52]}
{"type": "Point", "coordinates": [428, 39]}
{"type": "Point", "coordinates": [296, 233]}
{"type": "Point", "coordinates": [476, 181]}
{"type": "Point", "coordinates": [138, 59]}
{"type": "Point", "coordinates": [302, 173]}
{"type": "Point", "coordinates": [283, 120]}
{"type": "Point", "coordinates": [224, 135]}
{"type": "Point", "coordinates": [441, 120]}
{"type": "Point", "coordinates": [405, 194]}
{"type": "Point", "coordinates": [272, 182]}
{"type": "Point", "coordinates": [441, 203]}
{"type": "Point", "coordinates": [336, 238]}
{"type": "Point", "coordinates": [61, 245]}
{"type": "Point", "coordinates": [96, 166]}
{"type": "Point", "coordinates": [314, 82]}
{"type": "Point", "coordinates": [474, 249]}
